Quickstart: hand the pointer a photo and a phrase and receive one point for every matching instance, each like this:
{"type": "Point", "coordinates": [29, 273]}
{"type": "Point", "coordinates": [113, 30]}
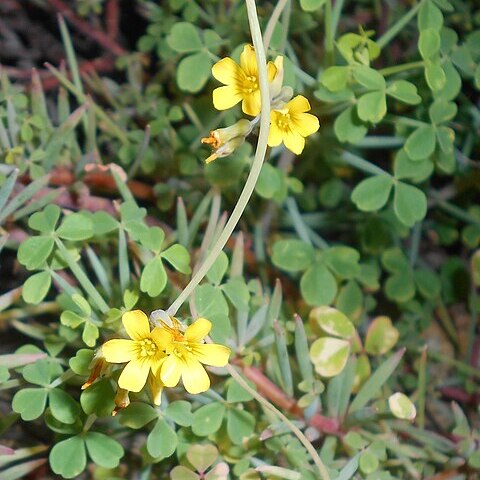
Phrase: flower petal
{"type": "Point", "coordinates": [134, 375]}
{"type": "Point", "coordinates": [119, 350]}
{"type": "Point", "coordinates": [248, 61]}
{"type": "Point", "coordinates": [227, 71]}
{"type": "Point", "coordinates": [212, 354]}
{"type": "Point", "coordinates": [251, 103]}
{"type": "Point", "coordinates": [156, 388]}
{"type": "Point", "coordinates": [136, 324]}
{"type": "Point", "coordinates": [226, 97]}
{"type": "Point", "coordinates": [171, 371]}
{"type": "Point", "coordinates": [198, 330]}
{"type": "Point", "coordinates": [305, 124]}
{"type": "Point", "coordinates": [162, 337]}
{"type": "Point", "coordinates": [275, 135]}
{"type": "Point", "coordinates": [195, 378]}
{"type": "Point", "coordinates": [294, 142]}
{"type": "Point", "coordinates": [298, 104]}
{"type": "Point", "coordinates": [271, 71]}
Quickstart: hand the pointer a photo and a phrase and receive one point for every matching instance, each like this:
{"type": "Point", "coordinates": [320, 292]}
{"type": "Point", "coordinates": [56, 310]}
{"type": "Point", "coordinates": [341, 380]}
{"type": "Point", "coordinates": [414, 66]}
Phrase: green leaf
{"type": "Point", "coordinates": [103, 450]}
{"type": "Point", "coordinates": [90, 334]}
{"type": "Point", "coordinates": [63, 407]}
{"type": "Point", "coordinates": [428, 283]}
{"type": "Point", "coordinates": [401, 406]}
{"type": "Point", "coordinates": [211, 304]}
{"type": "Point", "coordinates": [409, 203]}
{"type": "Point", "coordinates": [404, 91]}
{"type": "Point", "coordinates": [218, 269]}
{"type": "Point", "coordinates": [441, 111]}
{"type": "Point", "coordinates": [372, 193]}
{"type": "Point", "coordinates": [269, 182]}
{"type": "Point", "coordinates": [177, 255]}
{"type": "Point", "coordinates": [98, 398]}
{"type": "Point", "coordinates": [332, 322]}
{"type": "Point", "coordinates": [103, 223]}
{"type": "Point", "coordinates": [182, 473]}
{"type": "Point", "coordinates": [184, 38]}
{"type": "Point", "coordinates": [68, 458]}
{"type": "Point", "coordinates": [343, 261]}
{"type": "Point", "coordinates": [202, 456]}
{"type": "Point", "coordinates": [46, 220]}
{"type": "Point", "coordinates": [429, 43]}
{"type": "Point", "coordinates": [81, 361]}
{"type": "Point", "coordinates": [382, 336]}
{"type": "Point", "coordinates": [335, 78]}
{"type": "Point", "coordinates": [30, 403]}
{"type": "Point", "coordinates": [368, 462]}
{"type": "Point", "coordinates": [153, 239]}
{"type": "Point", "coordinates": [194, 71]}
{"type": "Point", "coordinates": [445, 137]}
{"type": "Point", "coordinates": [329, 355]}
{"type": "Point", "coordinates": [180, 411]}
{"type": "Point", "coordinates": [34, 251]}
{"type": "Point", "coordinates": [404, 168]}
{"type": "Point", "coordinates": [429, 17]}
{"type": "Point", "coordinates": [350, 300]}
{"type": "Point", "coordinates": [369, 78]}
{"type": "Point", "coordinates": [318, 286]}
{"type": "Point", "coordinates": [154, 277]}
{"type": "Point", "coordinates": [240, 425]}
{"type": "Point", "coordinates": [42, 372]}
{"type": "Point", "coordinates": [75, 227]}
{"type": "Point", "coordinates": [162, 440]}
{"type": "Point", "coordinates": [374, 384]}
{"type": "Point", "coordinates": [207, 419]}
{"type": "Point", "coordinates": [348, 127]}
{"type": "Point", "coordinates": [435, 77]}
{"type": "Point", "coordinates": [237, 394]}
{"type": "Point", "coordinates": [292, 255]}
{"type": "Point", "coordinates": [36, 287]}
{"type": "Point", "coordinates": [237, 292]}
{"type": "Point", "coordinates": [421, 143]}
{"type": "Point", "coordinates": [372, 107]}
{"type": "Point", "coordinates": [137, 415]}
{"type": "Point", "coordinates": [400, 287]}
{"type": "Point", "coordinates": [394, 260]}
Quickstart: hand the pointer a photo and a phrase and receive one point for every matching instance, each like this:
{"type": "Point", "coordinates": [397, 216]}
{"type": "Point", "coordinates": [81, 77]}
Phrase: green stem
{"type": "Point", "coordinates": [401, 68]}
{"type": "Point", "coordinates": [362, 164]}
{"type": "Point", "coordinates": [422, 388]}
{"type": "Point", "coordinates": [299, 434]}
{"type": "Point", "coordinates": [256, 165]}
{"type": "Point", "coordinates": [329, 44]}
{"type": "Point", "coordinates": [83, 279]}
{"type": "Point", "coordinates": [89, 422]}
{"type": "Point", "coordinates": [337, 10]}
{"type": "Point", "coordinates": [277, 11]}
{"type": "Point", "coordinates": [396, 28]}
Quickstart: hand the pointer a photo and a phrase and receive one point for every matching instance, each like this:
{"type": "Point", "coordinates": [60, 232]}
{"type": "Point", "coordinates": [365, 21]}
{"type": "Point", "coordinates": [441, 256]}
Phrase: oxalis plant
{"type": "Point", "coordinates": [161, 360]}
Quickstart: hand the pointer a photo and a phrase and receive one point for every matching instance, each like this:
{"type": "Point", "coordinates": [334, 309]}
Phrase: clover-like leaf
{"type": "Point", "coordinates": [329, 355]}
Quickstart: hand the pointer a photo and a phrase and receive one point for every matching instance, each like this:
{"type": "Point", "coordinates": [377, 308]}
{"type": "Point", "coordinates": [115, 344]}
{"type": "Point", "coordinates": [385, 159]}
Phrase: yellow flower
{"type": "Point", "coordinates": [186, 352]}
{"type": "Point", "coordinates": [291, 125]}
{"type": "Point", "coordinates": [145, 351]}
{"type": "Point", "coordinates": [224, 141]}
{"type": "Point", "coordinates": [241, 82]}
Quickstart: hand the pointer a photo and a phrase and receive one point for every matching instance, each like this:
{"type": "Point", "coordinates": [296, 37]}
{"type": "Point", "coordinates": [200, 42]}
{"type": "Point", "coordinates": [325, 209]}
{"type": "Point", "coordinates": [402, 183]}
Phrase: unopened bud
{"type": "Point", "coordinates": [122, 400]}
{"type": "Point", "coordinates": [97, 368]}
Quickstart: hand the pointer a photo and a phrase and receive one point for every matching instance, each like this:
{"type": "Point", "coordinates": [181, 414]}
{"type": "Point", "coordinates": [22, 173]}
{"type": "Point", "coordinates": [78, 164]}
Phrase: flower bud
{"type": "Point", "coordinates": [122, 400]}
{"type": "Point", "coordinates": [224, 141]}
{"type": "Point", "coordinates": [97, 368]}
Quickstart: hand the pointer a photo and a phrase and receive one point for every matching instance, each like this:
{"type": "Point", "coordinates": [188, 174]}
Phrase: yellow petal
{"type": "Point", "coordinates": [227, 71]}
{"type": "Point", "coordinates": [248, 61]}
{"type": "Point", "coordinates": [251, 103]}
{"type": "Point", "coordinates": [156, 363]}
{"type": "Point", "coordinates": [226, 97]}
{"type": "Point", "coordinates": [198, 330]}
{"type": "Point", "coordinates": [271, 71]}
{"type": "Point", "coordinates": [171, 371]}
{"type": "Point", "coordinates": [212, 354]}
{"type": "Point", "coordinates": [119, 350]}
{"type": "Point", "coordinates": [156, 388]}
{"type": "Point", "coordinates": [305, 124]}
{"type": "Point", "coordinates": [298, 104]}
{"type": "Point", "coordinates": [274, 134]}
{"type": "Point", "coordinates": [134, 375]}
{"type": "Point", "coordinates": [195, 378]}
{"type": "Point", "coordinates": [136, 324]}
{"type": "Point", "coordinates": [162, 337]}
{"type": "Point", "coordinates": [294, 142]}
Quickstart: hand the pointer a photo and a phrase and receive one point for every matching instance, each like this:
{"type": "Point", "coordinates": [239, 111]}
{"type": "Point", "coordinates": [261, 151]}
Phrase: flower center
{"type": "Point", "coordinates": [283, 121]}
{"type": "Point", "coordinates": [147, 347]}
{"type": "Point", "coordinates": [251, 84]}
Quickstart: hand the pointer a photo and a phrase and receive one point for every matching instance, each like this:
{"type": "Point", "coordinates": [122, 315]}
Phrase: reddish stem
{"type": "Point", "coordinates": [112, 20]}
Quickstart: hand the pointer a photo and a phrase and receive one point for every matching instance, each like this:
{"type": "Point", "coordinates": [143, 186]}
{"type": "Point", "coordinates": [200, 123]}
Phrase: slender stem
{"type": "Point", "coordinates": [396, 28]}
{"type": "Point", "coordinates": [337, 10]}
{"type": "Point", "coordinates": [401, 68]}
{"type": "Point", "coordinates": [362, 164]}
{"type": "Point", "coordinates": [422, 388]}
{"type": "Point", "coordinates": [272, 23]}
{"type": "Point", "coordinates": [298, 433]}
{"type": "Point", "coordinates": [256, 165]}
{"type": "Point", "coordinates": [329, 46]}
{"type": "Point", "coordinates": [82, 277]}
